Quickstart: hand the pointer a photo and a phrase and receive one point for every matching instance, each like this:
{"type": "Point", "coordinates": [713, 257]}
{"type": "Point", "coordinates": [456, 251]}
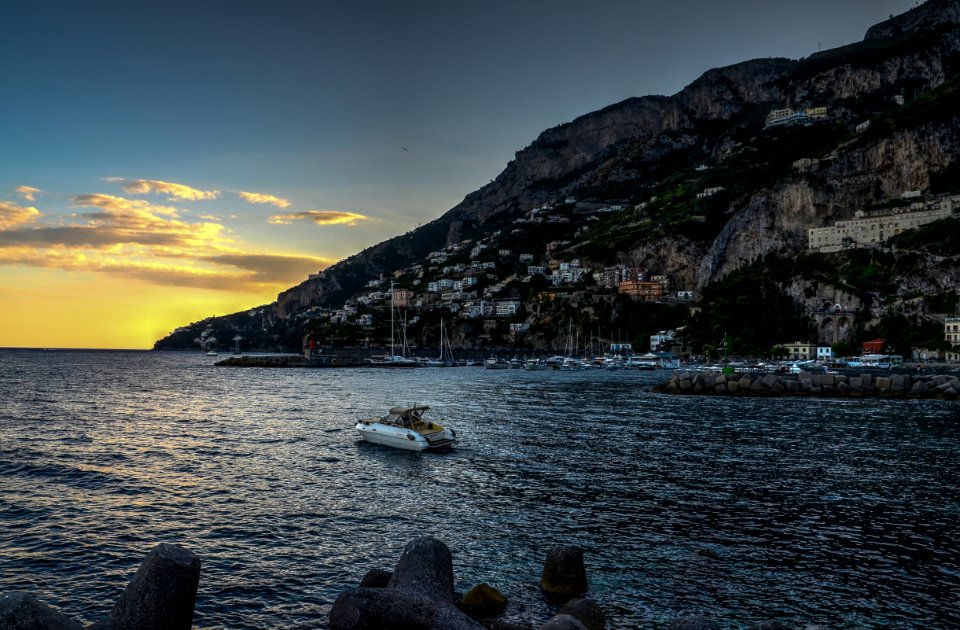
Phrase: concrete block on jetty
{"type": "Point", "coordinates": [419, 595]}
{"type": "Point", "coordinates": [161, 596]}
{"type": "Point", "coordinates": [939, 386]}
{"type": "Point", "coordinates": [23, 611]}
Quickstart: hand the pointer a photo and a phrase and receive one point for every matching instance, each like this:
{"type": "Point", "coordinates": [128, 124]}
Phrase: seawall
{"type": "Point", "coordinates": [712, 383]}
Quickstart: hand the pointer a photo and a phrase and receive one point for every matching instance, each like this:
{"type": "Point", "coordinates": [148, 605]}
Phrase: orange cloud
{"type": "Point", "coordinates": [251, 197]}
{"type": "Point", "coordinates": [252, 273]}
{"type": "Point", "coordinates": [11, 214]}
{"type": "Point", "coordinates": [155, 186]}
{"type": "Point", "coordinates": [320, 217]}
{"type": "Point", "coordinates": [137, 240]}
{"type": "Point", "coordinates": [28, 192]}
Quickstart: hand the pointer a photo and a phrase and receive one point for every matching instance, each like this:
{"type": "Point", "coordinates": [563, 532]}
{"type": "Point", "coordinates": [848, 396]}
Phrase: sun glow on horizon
{"type": "Point", "coordinates": [108, 271]}
{"type": "Point", "coordinates": [53, 309]}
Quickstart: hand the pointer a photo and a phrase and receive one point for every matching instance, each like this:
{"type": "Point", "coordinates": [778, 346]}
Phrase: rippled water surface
{"type": "Point", "coordinates": [833, 512]}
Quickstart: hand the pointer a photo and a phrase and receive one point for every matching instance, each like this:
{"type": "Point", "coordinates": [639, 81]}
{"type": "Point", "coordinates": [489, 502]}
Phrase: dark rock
{"type": "Point", "coordinates": [419, 595]}
{"type": "Point", "coordinates": [693, 622]}
{"type": "Point", "coordinates": [563, 622]}
{"type": "Point", "coordinates": [564, 575]}
{"type": "Point", "coordinates": [426, 566]}
{"type": "Point", "coordinates": [23, 611]}
{"type": "Point", "coordinates": [380, 608]}
{"type": "Point", "coordinates": [376, 578]}
{"type": "Point", "coordinates": [161, 595]}
{"type": "Point", "coordinates": [483, 601]}
{"type": "Point", "coordinates": [586, 611]}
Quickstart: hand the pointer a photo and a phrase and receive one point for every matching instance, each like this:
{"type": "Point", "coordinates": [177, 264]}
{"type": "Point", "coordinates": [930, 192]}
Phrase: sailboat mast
{"type": "Point", "coordinates": [392, 352]}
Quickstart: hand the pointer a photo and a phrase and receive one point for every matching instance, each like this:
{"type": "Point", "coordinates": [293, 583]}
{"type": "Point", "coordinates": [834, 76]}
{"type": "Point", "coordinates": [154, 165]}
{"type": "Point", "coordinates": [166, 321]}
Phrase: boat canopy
{"type": "Point", "coordinates": [403, 411]}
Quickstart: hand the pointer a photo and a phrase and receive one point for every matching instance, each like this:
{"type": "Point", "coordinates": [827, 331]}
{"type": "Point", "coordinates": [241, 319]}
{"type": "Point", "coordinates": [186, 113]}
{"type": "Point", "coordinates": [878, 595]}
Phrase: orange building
{"type": "Point", "coordinates": [645, 291]}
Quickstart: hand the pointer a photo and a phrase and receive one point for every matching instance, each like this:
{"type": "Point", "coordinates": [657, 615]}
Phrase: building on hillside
{"type": "Point", "coordinates": [709, 192]}
{"type": "Point", "coordinates": [871, 229]}
{"type": "Point", "coordinates": [644, 291]}
{"type": "Point", "coordinates": [506, 308]}
{"type": "Point", "coordinates": [874, 346]}
{"type": "Point", "coordinates": [800, 351]}
{"type": "Point", "coordinates": [788, 116]}
{"type": "Point", "coordinates": [824, 353]}
{"type": "Point", "coordinates": [613, 276]}
{"type": "Point", "coordinates": [401, 297]}
{"type": "Point", "coordinates": [662, 338]}
{"type": "Point", "coordinates": [951, 333]}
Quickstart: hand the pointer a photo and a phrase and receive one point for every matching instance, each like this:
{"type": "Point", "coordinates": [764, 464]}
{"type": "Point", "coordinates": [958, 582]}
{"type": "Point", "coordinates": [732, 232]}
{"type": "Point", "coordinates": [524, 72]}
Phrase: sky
{"type": "Point", "coordinates": [164, 162]}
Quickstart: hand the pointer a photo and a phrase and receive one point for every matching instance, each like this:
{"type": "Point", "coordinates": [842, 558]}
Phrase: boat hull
{"type": "Point", "coordinates": [406, 439]}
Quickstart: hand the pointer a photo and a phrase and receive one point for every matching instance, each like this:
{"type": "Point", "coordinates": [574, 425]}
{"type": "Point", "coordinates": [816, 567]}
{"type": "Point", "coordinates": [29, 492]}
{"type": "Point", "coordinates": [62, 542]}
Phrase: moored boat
{"type": "Point", "coordinates": [405, 428]}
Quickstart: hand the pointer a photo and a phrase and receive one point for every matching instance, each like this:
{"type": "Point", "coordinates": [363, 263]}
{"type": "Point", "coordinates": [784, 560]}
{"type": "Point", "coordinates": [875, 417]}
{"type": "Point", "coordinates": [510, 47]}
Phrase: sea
{"type": "Point", "coordinates": [844, 513]}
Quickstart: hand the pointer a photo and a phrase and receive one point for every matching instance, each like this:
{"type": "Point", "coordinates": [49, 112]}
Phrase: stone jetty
{"type": "Point", "coordinates": [270, 361]}
{"type": "Point", "coordinates": [417, 595]}
{"type": "Point", "coordinates": [712, 383]}
{"type": "Point", "coordinates": [161, 596]}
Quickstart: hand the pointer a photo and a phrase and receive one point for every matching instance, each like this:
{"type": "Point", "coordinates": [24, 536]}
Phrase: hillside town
{"type": "Point", "coordinates": [492, 297]}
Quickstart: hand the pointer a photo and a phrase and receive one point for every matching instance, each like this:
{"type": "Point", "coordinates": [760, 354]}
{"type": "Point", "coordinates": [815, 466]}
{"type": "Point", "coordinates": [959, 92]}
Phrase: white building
{"type": "Point", "coordinates": [709, 192]}
{"type": "Point", "coordinates": [506, 308]}
{"type": "Point", "coordinates": [876, 227]}
{"type": "Point", "coordinates": [662, 338]}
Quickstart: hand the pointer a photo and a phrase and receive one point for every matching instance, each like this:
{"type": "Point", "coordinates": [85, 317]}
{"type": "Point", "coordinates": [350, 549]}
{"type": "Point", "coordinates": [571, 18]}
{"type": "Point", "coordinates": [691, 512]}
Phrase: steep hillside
{"type": "Point", "coordinates": [653, 157]}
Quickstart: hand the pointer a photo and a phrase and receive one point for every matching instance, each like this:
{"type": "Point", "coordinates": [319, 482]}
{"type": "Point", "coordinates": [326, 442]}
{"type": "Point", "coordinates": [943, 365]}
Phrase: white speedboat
{"type": "Point", "coordinates": [405, 427]}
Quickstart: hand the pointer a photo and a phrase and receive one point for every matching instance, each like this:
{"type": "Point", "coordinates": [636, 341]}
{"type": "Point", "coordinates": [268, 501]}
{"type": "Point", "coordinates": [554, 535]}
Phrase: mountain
{"type": "Point", "coordinates": [655, 154]}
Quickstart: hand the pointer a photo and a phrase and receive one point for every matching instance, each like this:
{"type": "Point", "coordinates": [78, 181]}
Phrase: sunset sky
{"type": "Point", "coordinates": [164, 162]}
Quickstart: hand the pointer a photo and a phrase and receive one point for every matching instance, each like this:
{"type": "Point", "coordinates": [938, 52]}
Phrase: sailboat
{"type": "Point", "coordinates": [446, 353]}
{"type": "Point", "coordinates": [394, 359]}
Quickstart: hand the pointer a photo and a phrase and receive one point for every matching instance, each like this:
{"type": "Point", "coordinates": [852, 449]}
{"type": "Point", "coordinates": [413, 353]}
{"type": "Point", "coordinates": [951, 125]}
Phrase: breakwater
{"type": "Point", "coordinates": [285, 360]}
{"type": "Point", "coordinates": [939, 386]}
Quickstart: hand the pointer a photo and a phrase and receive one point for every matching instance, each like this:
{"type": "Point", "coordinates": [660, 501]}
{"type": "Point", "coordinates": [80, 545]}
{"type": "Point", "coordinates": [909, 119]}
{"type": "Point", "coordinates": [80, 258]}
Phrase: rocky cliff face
{"type": "Point", "coordinates": [776, 220]}
{"type": "Point", "coordinates": [621, 147]}
{"type": "Point", "coordinates": [926, 17]}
